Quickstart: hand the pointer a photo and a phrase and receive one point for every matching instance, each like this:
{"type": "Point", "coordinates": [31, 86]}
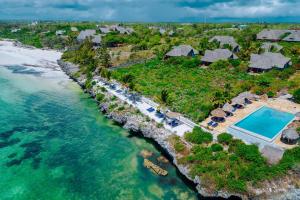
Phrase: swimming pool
{"type": "Point", "coordinates": [265, 123]}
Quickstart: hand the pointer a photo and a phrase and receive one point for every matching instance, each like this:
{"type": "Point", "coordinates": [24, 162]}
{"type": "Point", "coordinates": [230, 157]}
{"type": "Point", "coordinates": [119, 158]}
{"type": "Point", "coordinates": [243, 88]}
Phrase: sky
{"type": "Point", "coordinates": [153, 10]}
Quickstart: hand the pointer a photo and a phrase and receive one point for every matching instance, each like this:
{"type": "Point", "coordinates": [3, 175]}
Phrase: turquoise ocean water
{"type": "Point", "coordinates": [54, 144]}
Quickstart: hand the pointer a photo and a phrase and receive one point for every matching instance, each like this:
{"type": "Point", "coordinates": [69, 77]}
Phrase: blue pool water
{"type": "Point", "coordinates": [266, 122]}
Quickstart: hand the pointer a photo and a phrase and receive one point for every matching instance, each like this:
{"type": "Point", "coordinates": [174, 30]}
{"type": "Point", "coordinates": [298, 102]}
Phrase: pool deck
{"type": "Point", "coordinates": [281, 104]}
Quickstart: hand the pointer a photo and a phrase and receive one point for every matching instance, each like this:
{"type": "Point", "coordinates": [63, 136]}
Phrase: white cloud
{"type": "Point", "coordinates": [147, 10]}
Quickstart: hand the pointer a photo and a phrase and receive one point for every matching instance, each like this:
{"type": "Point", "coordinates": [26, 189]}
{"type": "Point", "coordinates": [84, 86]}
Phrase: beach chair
{"type": "Point", "coordinates": [215, 124]}
{"type": "Point", "coordinates": [210, 123]}
{"type": "Point", "coordinates": [150, 109]}
{"type": "Point", "coordinates": [159, 115]}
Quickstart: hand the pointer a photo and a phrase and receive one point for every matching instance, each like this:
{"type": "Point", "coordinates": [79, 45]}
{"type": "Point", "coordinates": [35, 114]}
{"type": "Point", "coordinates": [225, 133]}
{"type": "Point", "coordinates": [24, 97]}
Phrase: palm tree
{"type": "Point", "coordinates": [164, 96]}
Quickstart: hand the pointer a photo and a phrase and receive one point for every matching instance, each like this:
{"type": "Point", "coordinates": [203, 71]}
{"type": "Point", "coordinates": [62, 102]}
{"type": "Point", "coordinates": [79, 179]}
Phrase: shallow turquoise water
{"type": "Point", "coordinates": [54, 144]}
{"type": "Point", "coordinates": [266, 121]}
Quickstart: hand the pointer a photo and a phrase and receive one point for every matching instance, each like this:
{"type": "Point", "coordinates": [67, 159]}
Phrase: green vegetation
{"type": "Point", "coordinates": [296, 95]}
{"type": "Point", "coordinates": [178, 144]}
{"type": "Point", "coordinates": [236, 167]}
{"type": "Point", "coordinates": [216, 147]}
{"type": "Point", "coordinates": [224, 138]}
{"type": "Point", "coordinates": [206, 88]}
{"type": "Point", "coordinates": [198, 136]}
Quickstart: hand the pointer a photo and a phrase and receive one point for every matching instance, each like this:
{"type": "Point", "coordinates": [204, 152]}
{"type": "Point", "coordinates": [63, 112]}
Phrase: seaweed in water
{"type": "Point", "coordinates": [8, 134]}
{"type": "Point", "coordinates": [14, 162]}
{"type": "Point", "coordinates": [32, 149]}
{"type": "Point", "coordinates": [12, 155]}
{"type": "Point", "coordinates": [9, 142]}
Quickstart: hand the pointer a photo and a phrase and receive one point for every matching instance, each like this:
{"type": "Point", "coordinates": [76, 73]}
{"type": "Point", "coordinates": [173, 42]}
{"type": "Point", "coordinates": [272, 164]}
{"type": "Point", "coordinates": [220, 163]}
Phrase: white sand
{"type": "Point", "coordinates": [13, 55]}
{"type": "Point", "coordinates": [40, 60]}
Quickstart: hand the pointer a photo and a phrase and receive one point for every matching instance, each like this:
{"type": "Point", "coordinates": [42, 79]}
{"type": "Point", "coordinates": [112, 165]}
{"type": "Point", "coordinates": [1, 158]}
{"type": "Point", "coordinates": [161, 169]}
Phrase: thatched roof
{"type": "Point", "coordinates": [182, 50]}
{"type": "Point", "coordinates": [248, 95]}
{"type": "Point", "coordinates": [218, 113]}
{"type": "Point", "coordinates": [97, 39]}
{"type": "Point", "coordinates": [271, 34]}
{"type": "Point", "coordinates": [225, 40]}
{"type": "Point", "coordinates": [268, 60]}
{"type": "Point", "coordinates": [268, 45]}
{"type": "Point", "coordinates": [85, 34]}
{"type": "Point", "coordinates": [104, 30]}
{"type": "Point", "coordinates": [217, 54]}
{"type": "Point", "coordinates": [293, 37]}
{"type": "Point", "coordinates": [74, 29]}
{"type": "Point", "coordinates": [290, 134]}
{"type": "Point", "coordinates": [238, 101]}
{"type": "Point", "coordinates": [227, 107]}
{"type": "Point", "coordinates": [272, 154]}
{"type": "Point", "coordinates": [173, 115]}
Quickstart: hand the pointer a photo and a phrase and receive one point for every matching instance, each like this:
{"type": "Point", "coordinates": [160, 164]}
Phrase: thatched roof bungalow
{"type": "Point", "coordinates": [272, 34]}
{"type": "Point", "coordinates": [272, 154]}
{"type": "Point", "coordinates": [182, 50]}
{"type": "Point", "coordinates": [226, 40]}
{"type": "Point", "coordinates": [267, 61]}
{"type": "Point", "coordinates": [96, 40]}
{"type": "Point", "coordinates": [211, 56]}
{"type": "Point", "coordinates": [85, 34]}
{"type": "Point", "coordinates": [293, 37]}
{"type": "Point", "coordinates": [290, 136]}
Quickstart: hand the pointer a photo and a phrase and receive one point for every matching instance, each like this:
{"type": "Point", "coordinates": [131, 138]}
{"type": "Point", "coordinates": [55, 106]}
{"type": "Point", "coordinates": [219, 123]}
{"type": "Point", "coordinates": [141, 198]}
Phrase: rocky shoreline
{"type": "Point", "coordinates": [132, 120]}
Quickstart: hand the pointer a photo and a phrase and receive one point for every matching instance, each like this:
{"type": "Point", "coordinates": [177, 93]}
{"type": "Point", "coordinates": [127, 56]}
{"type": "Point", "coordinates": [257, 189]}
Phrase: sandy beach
{"type": "Point", "coordinates": [40, 60]}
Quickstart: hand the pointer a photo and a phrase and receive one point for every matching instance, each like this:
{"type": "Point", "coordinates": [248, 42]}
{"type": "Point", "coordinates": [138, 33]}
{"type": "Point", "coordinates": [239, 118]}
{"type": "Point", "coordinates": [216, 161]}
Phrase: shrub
{"type": "Point", "coordinates": [100, 97]}
{"type": "Point", "coordinates": [270, 94]}
{"type": "Point", "coordinates": [216, 147]}
{"type": "Point", "coordinates": [224, 138]}
{"type": "Point", "coordinates": [298, 129]}
{"type": "Point", "coordinates": [178, 146]}
{"type": "Point", "coordinates": [198, 136]}
{"type": "Point", "coordinates": [249, 153]}
{"type": "Point", "coordinates": [296, 95]}
{"type": "Point", "coordinates": [159, 125]}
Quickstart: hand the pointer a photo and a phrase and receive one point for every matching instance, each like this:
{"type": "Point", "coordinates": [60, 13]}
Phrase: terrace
{"type": "Point", "coordinates": [280, 104]}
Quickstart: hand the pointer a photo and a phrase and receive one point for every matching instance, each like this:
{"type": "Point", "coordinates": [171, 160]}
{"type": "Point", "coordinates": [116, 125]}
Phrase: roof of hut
{"type": "Point", "coordinates": [238, 100]}
{"type": "Point", "coordinates": [290, 134]}
{"type": "Point", "coordinates": [248, 95]}
{"type": "Point", "coordinates": [272, 154]}
{"type": "Point", "coordinates": [218, 113]}
{"type": "Point", "coordinates": [227, 107]}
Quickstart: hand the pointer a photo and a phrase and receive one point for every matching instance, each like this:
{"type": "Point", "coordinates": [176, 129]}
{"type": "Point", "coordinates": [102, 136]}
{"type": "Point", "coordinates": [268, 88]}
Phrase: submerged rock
{"type": "Point", "coordinates": [155, 168]}
{"type": "Point", "coordinates": [146, 154]}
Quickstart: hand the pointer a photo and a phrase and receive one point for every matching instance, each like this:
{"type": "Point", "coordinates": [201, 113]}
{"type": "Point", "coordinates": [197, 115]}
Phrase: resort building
{"type": "Point", "coordinates": [15, 30]}
{"type": "Point", "coordinates": [226, 40]}
{"type": "Point", "coordinates": [74, 29]}
{"type": "Point", "coordinates": [60, 32]}
{"type": "Point", "coordinates": [182, 50]}
{"type": "Point", "coordinates": [211, 56]}
{"type": "Point", "coordinates": [272, 35]}
{"type": "Point", "coordinates": [85, 34]}
{"type": "Point", "coordinates": [293, 37]}
{"type": "Point", "coordinates": [104, 30]}
{"type": "Point", "coordinates": [271, 47]}
{"type": "Point", "coordinates": [267, 61]}
{"type": "Point", "coordinates": [96, 40]}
